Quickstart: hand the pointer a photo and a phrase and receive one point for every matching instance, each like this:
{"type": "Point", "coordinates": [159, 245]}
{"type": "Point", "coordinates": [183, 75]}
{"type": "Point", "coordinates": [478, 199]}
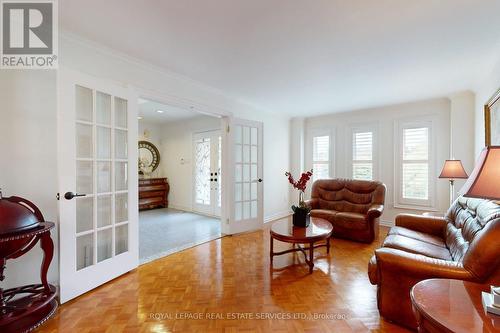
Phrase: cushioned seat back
{"type": "Point", "coordinates": [473, 235]}
{"type": "Point", "coordinates": [348, 195]}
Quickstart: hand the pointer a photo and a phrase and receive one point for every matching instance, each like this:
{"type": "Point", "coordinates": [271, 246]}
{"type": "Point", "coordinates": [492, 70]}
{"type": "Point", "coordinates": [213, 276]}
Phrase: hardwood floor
{"type": "Point", "coordinates": [231, 280]}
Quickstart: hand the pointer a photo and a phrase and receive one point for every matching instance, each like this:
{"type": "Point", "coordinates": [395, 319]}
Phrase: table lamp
{"type": "Point", "coordinates": [453, 169]}
{"type": "Point", "coordinates": [484, 181]}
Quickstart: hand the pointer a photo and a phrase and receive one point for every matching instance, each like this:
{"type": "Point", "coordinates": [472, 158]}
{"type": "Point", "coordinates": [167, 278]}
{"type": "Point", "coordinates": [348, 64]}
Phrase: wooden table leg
{"type": "Point", "coordinates": [271, 251]}
{"type": "Point", "coordinates": [48, 252]}
{"type": "Point", "coordinates": [311, 257]}
{"type": "Point", "coordinates": [328, 245]}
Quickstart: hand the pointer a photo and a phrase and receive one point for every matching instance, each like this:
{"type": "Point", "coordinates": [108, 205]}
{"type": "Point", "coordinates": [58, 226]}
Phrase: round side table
{"type": "Point", "coordinates": [318, 230]}
{"type": "Point", "coordinates": [444, 305]}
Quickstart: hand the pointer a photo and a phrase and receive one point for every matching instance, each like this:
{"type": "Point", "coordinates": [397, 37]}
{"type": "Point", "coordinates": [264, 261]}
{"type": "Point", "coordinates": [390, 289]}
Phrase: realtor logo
{"type": "Point", "coordinates": [29, 38]}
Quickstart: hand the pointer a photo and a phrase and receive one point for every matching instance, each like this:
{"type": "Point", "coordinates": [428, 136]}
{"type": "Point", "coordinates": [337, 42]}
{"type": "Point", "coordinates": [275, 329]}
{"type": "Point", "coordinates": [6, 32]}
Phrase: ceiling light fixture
{"type": "Point", "coordinates": [159, 111]}
{"type": "Point", "coordinates": [139, 117]}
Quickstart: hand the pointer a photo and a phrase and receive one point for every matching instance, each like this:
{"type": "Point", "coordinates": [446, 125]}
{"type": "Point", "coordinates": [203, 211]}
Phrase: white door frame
{"type": "Point", "coordinates": [225, 117]}
{"type": "Point", "coordinates": [72, 282]}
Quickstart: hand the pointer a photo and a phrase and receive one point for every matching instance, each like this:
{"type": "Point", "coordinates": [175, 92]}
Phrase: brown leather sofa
{"type": "Point", "coordinates": [353, 207]}
{"type": "Point", "coordinates": [463, 245]}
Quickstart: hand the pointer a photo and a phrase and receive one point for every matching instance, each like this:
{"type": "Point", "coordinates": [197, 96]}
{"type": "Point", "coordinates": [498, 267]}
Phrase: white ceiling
{"type": "Point", "coordinates": [302, 57]}
{"type": "Point", "coordinates": [148, 110]}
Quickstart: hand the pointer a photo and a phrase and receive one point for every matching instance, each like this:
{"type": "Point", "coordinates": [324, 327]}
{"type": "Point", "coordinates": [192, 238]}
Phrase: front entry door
{"type": "Point", "coordinates": [207, 152]}
{"type": "Point", "coordinates": [97, 160]}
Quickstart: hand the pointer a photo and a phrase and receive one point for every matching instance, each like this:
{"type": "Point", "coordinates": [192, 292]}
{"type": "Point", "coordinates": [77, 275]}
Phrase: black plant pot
{"type": "Point", "coordinates": [301, 217]}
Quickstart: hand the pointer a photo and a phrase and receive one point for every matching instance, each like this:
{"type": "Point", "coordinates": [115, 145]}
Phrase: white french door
{"type": "Point", "coordinates": [207, 153]}
{"type": "Point", "coordinates": [246, 161]}
{"type": "Point", "coordinates": [97, 160]}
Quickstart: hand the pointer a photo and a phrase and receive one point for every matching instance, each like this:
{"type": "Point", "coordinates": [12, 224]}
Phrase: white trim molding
{"type": "Point", "coordinates": [277, 216]}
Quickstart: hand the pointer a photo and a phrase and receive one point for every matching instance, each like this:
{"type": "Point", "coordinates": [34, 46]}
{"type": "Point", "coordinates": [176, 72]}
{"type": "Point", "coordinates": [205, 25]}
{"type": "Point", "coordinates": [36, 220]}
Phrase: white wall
{"type": "Point", "coordinates": [384, 118]}
{"type": "Point", "coordinates": [490, 85]}
{"type": "Point", "coordinates": [28, 158]}
{"type": "Point", "coordinates": [176, 144]}
{"type": "Point", "coordinates": [462, 131]}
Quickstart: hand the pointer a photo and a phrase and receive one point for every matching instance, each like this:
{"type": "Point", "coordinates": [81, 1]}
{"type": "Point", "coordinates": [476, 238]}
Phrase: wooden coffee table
{"type": "Point", "coordinates": [318, 230]}
{"type": "Point", "coordinates": [442, 305]}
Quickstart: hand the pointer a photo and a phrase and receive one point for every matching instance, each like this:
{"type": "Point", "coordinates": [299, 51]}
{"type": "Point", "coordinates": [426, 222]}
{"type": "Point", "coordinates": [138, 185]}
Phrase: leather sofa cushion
{"type": "Point", "coordinates": [418, 247]}
{"type": "Point", "coordinates": [354, 221]}
{"type": "Point", "coordinates": [324, 214]}
{"type": "Point", "coordinates": [431, 239]}
{"type": "Point", "coordinates": [347, 195]}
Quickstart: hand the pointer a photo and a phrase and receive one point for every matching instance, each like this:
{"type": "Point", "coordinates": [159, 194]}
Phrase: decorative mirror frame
{"type": "Point", "coordinates": [493, 102]}
{"type": "Point", "coordinates": [154, 151]}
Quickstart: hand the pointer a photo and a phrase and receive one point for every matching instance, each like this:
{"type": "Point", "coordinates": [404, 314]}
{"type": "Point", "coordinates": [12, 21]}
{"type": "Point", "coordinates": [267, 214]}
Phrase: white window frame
{"type": "Point", "coordinates": [375, 154]}
{"type": "Point", "coordinates": [417, 204]}
{"type": "Point", "coordinates": [331, 149]}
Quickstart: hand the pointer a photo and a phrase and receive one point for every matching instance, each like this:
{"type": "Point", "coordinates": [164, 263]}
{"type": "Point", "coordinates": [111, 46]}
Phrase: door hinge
{"type": "Point", "coordinates": [227, 128]}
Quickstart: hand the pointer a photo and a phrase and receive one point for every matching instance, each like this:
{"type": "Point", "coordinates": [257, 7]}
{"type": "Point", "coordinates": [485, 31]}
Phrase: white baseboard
{"type": "Point", "coordinates": [277, 216]}
{"type": "Point", "coordinates": [267, 219]}
{"type": "Point", "coordinates": [386, 223]}
{"type": "Point", "coordinates": [180, 207]}
{"type": "Point", "coordinates": [189, 210]}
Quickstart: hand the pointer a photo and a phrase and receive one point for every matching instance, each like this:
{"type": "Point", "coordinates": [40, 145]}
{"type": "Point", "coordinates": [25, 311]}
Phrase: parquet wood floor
{"type": "Point", "coordinates": [231, 280]}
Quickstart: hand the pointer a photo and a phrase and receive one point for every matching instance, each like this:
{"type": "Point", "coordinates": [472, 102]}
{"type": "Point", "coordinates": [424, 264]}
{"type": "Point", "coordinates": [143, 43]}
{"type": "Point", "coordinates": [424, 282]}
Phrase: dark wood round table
{"type": "Point", "coordinates": [318, 230]}
{"type": "Point", "coordinates": [443, 305]}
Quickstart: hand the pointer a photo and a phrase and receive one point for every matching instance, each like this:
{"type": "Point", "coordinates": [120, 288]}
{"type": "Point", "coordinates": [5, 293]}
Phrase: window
{"type": "Point", "coordinates": [414, 176]}
{"type": "Point", "coordinates": [362, 154]}
{"type": "Point", "coordinates": [321, 157]}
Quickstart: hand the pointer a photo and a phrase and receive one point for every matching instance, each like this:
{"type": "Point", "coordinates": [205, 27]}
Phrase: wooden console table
{"type": "Point", "coordinates": [153, 193]}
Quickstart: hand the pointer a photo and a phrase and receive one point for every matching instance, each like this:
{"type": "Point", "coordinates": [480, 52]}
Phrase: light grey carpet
{"type": "Point", "coordinates": [166, 231]}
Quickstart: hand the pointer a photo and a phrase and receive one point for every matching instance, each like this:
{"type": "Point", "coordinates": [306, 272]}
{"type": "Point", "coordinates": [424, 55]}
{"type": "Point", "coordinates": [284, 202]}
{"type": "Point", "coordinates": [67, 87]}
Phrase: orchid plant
{"type": "Point", "coordinates": [300, 185]}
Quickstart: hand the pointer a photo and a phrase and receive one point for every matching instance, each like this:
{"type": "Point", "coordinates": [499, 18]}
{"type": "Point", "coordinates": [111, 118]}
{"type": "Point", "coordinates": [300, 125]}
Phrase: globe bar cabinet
{"type": "Point", "coordinates": [22, 226]}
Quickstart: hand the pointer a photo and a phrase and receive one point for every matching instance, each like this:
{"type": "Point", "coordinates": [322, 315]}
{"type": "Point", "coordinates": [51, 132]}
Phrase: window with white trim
{"type": "Point", "coordinates": [362, 154]}
{"type": "Point", "coordinates": [414, 177]}
{"type": "Point", "coordinates": [321, 157]}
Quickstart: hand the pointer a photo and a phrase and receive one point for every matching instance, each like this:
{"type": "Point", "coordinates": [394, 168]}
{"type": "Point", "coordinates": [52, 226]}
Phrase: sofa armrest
{"type": "Point", "coordinates": [418, 266]}
{"type": "Point", "coordinates": [427, 224]}
{"type": "Point", "coordinates": [375, 211]}
{"type": "Point", "coordinates": [312, 203]}
{"type": "Point", "coordinates": [396, 272]}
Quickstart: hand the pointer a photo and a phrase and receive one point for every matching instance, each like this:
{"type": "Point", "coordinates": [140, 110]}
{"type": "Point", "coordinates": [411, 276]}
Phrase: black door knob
{"type": "Point", "coordinates": [71, 195]}
{"type": "Point", "coordinates": [260, 180]}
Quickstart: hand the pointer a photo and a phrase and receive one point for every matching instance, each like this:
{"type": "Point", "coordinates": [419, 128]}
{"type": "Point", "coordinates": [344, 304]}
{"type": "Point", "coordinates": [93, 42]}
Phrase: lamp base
{"type": "Point", "coordinates": [452, 191]}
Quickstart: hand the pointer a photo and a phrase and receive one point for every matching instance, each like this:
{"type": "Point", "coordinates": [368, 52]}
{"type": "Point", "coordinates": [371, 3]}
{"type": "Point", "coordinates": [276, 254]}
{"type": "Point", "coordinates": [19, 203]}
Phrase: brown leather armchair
{"type": "Point", "coordinates": [353, 207]}
{"type": "Point", "coordinates": [463, 245]}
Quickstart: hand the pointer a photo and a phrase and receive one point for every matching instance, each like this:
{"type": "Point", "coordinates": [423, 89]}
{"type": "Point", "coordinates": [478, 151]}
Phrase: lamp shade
{"type": "Point", "coordinates": [453, 169]}
{"type": "Point", "coordinates": [484, 181]}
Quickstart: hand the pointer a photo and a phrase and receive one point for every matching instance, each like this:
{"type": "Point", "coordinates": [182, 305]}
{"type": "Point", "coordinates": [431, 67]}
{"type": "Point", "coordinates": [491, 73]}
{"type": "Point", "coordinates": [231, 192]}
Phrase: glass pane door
{"type": "Point", "coordinates": [247, 195]}
{"type": "Point", "coordinates": [101, 176]}
{"type": "Point", "coordinates": [207, 147]}
{"type": "Point", "coordinates": [98, 182]}
{"type": "Point", "coordinates": [202, 171]}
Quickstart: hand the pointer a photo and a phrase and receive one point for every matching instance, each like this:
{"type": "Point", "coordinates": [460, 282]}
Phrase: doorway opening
{"type": "Point", "coordinates": [180, 186]}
